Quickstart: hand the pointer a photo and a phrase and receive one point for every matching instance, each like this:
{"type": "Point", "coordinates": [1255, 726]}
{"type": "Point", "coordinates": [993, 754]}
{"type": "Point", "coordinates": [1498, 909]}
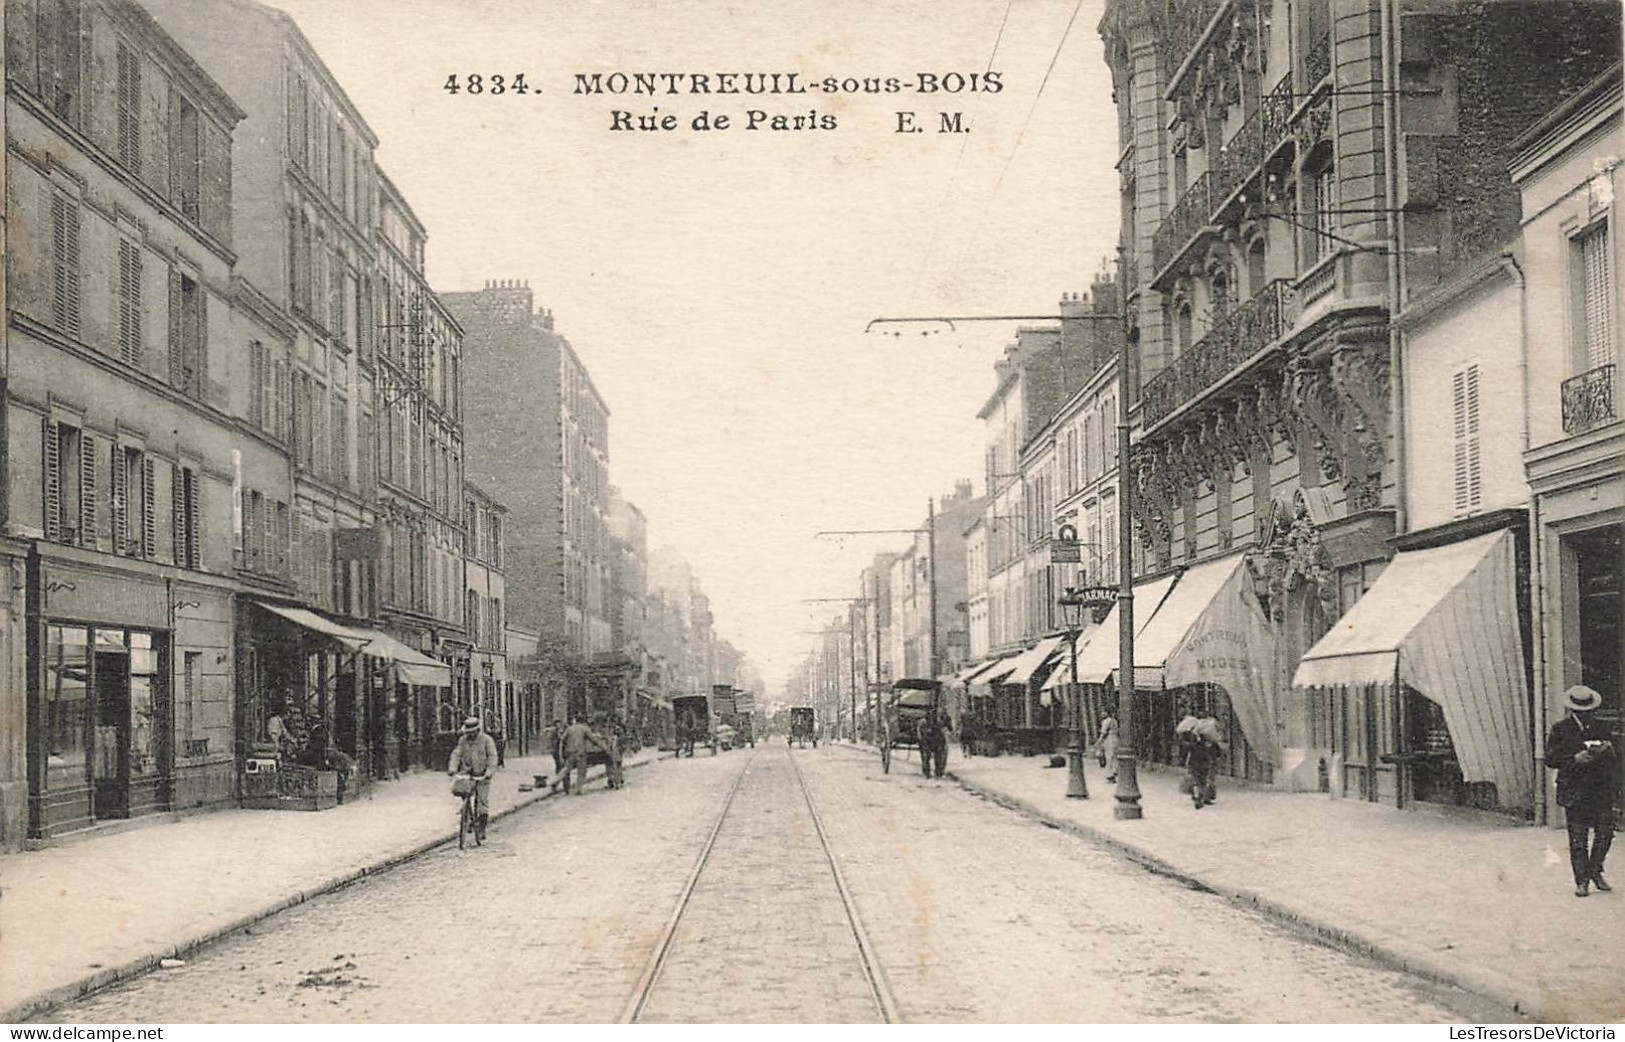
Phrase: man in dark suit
{"type": "Point", "coordinates": [1587, 768]}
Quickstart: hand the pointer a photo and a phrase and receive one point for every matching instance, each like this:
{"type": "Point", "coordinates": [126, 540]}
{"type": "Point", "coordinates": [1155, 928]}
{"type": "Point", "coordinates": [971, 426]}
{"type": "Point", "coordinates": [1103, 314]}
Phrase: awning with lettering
{"type": "Point", "coordinates": [1213, 630]}
{"type": "Point", "coordinates": [1444, 621]}
{"type": "Point", "coordinates": [412, 666]}
{"type": "Point", "coordinates": [352, 639]}
{"type": "Point", "coordinates": [1098, 660]}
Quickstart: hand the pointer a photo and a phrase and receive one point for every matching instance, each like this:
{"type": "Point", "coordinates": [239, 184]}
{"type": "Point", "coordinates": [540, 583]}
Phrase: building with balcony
{"type": "Point", "coordinates": [1294, 176]}
{"type": "Point", "coordinates": [1568, 169]}
{"type": "Point", "coordinates": [125, 392]}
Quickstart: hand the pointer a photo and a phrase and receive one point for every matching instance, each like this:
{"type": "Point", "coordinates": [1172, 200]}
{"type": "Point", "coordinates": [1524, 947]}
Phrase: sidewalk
{"type": "Point", "coordinates": [1485, 907]}
{"type": "Point", "coordinates": [81, 915]}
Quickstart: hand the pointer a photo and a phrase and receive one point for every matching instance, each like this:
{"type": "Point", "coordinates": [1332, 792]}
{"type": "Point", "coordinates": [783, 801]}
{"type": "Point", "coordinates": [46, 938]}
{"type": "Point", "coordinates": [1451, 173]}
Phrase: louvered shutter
{"type": "Point", "coordinates": [65, 255]}
{"type": "Point", "coordinates": [121, 499]}
{"type": "Point", "coordinates": [129, 302]}
{"type": "Point", "coordinates": [216, 207]}
{"type": "Point", "coordinates": [129, 110]}
{"type": "Point", "coordinates": [1464, 407]}
{"type": "Point", "coordinates": [177, 369]}
{"type": "Point", "coordinates": [194, 512]}
{"type": "Point", "coordinates": [1599, 297]}
{"type": "Point", "coordinates": [53, 481]}
{"type": "Point", "coordinates": [149, 509]}
{"type": "Point", "coordinates": [245, 541]}
{"type": "Point", "coordinates": [177, 514]}
{"type": "Point", "coordinates": [200, 345]}
{"type": "Point", "coordinates": [296, 557]}
{"type": "Point", "coordinates": [1474, 483]}
{"type": "Point", "coordinates": [87, 489]}
{"type": "Point", "coordinates": [256, 383]}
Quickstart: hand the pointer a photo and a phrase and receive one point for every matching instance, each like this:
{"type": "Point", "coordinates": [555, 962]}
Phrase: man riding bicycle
{"type": "Point", "coordinates": [476, 755]}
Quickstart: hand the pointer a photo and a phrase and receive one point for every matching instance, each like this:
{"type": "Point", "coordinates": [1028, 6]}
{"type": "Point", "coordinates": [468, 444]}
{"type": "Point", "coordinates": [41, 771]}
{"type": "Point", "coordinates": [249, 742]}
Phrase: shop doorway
{"type": "Point", "coordinates": [1596, 556]}
{"type": "Point", "coordinates": [110, 755]}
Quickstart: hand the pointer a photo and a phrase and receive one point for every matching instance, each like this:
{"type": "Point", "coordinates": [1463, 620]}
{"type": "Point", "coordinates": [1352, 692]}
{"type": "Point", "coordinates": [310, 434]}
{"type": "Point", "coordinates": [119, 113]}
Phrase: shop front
{"type": "Point", "coordinates": [1427, 677]}
{"type": "Point", "coordinates": [101, 742]}
{"type": "Point", "coordinates": [1038, 721]}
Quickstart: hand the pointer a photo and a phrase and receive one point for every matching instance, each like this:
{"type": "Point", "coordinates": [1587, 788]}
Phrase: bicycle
{"type": "Point", "coordinates": [465, 785]}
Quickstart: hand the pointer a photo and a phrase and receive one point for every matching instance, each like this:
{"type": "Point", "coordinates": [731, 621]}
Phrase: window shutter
{"type": "Point", "coordinates": [256, 383]}
{"type": "Point", "coordinates": [121, 500]}
{"type": "Point", "coordinates": [177, 370]}
{"type": "Point", "coordinates": [200, 345]}
{"type": "Point", "coordinates": [177, 513]}
{"type": "Point", "coordinates": [1599, 297]}
{"type": "Point", "coordinates": [216, 207]}
{"type": "Point", "coordinates": [194, 509]}
{"type": "Point", "coordinates": [1464, 407]}
{"type": "Point", "coordinates": [87, 489]}
{"type": "Point", "coordinates": [129, 110]}
{"type": "Point", "coordinates": [65, 254]}
{"type": "Point", "coordinates": [1474, 484]}
{"type": "Point", "coordinates": [149, 512]}
{"type": "Point", "coordinates": [53, 481]}
{"type": "Point", "coordinates": [129, 314]}
{"type": "Point", "coordinates": [296, 557]}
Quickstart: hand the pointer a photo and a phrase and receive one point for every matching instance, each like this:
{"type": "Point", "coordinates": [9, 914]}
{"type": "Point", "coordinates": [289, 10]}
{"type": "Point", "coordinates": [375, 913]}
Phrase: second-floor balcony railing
{"type": "Point", "coordinates": [1317, 63]}
{"type": "Point", "coordinates": [1256, 139]}
{"type": "Point", "coordinates": [1589, 400]}
{"type": "Point", "coordinates": [1234, 338]}
{"type": "Point", "coordinates": [1189, 216]}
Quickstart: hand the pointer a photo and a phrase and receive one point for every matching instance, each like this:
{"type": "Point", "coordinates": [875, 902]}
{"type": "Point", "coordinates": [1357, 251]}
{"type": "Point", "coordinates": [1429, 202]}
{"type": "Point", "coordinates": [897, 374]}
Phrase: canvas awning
{"type": "Point", "coordinates": [1029, 662]}
{"type": "Point", "coordinates": [1098, 660]}
{"type": "Point", "coordinates": [1212, 630]}
{"type": "Point", "coordinates": [352, 639]}
{"type": "Point", "coordinates": [412, 666]}
{"type": "Point", "coordinates": [1444, 621]}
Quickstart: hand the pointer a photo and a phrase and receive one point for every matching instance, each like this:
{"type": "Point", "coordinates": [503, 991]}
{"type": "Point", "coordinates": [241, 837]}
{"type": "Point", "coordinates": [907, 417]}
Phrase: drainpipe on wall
{"type": "Point", "coordinates": [1396, 382]}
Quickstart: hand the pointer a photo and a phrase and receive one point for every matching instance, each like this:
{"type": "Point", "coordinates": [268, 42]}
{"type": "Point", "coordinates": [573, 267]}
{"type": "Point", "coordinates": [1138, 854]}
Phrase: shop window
{"type": "Point", "coordinates": [67, 705]}
{"type": "Point", "coordinates": [187, 717]}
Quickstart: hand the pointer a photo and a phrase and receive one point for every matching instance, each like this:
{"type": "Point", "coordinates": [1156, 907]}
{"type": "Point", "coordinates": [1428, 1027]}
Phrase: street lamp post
{"type": "Point", "coordinates": [1077, 786]}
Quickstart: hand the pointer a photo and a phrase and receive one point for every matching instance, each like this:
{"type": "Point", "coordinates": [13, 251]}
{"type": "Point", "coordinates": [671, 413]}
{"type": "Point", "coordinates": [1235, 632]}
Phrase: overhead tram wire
{"type": "Point", "coordinates": [1020, 136]}
{"type": "Point", "coordinates": [964, 141]}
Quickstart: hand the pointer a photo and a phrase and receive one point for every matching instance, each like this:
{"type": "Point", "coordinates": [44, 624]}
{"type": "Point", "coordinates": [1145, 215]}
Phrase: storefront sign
{"type": "Point", "coordinates": [87, 596]}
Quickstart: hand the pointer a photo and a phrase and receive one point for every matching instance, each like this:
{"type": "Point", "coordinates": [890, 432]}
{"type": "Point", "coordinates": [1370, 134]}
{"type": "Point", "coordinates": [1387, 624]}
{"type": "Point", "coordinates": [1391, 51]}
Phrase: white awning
{"type": "Point", "coordinates": [1213, 630]}
{"type": "Point", "coordinates": [412, 666]}
{"type": "Point", "coordinates": [1098, 660]}
{"type": "Point", "coordinates": [1024, 665]}
{"type": "Point", "coordinates": [1061, 675]}
{"type": "Point", "coordinates": [352, 639]}
{"type": "Point", "coordinates": [1444, 621]}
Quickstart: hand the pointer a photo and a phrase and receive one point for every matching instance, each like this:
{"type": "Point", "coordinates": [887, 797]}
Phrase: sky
{"type": "Point", "coordinates": [717, 284]}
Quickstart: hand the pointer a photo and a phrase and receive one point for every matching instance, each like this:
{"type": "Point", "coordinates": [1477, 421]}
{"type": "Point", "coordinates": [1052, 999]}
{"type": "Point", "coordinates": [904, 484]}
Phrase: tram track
{"type": "Point", "coordinates": [668, 945]}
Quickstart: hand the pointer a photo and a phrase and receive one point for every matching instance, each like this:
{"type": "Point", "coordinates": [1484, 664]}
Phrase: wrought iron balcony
{"type": "Point", "coordinates": [1317, 64]}
{"type": "Point", "coordinates": [1589, 400]}
{"type": "Point", "coordinates": [1257, 138]}
{"type": "Point", "coordinates": [1190, 215]}
{"type": "Point", "coordinates": [1234, 338]}
{"type": "Point", "coordinates": [1182, 26]}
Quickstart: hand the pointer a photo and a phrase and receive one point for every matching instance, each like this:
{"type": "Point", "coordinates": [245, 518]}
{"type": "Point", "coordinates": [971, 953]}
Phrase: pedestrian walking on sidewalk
{"type": "Point", "coordinates": [476, 754]}
{"type": "Point", "coordinates": [1199, 743]}
{"type": "Point", "coordinates": [1587, 766]}
{"type": "Point", "coordinates": [1106, 748]}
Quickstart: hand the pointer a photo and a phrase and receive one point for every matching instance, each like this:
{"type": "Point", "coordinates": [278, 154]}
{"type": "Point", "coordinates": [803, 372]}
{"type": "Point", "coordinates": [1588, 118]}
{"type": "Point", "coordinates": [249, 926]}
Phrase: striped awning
{"type": "Point", "coordinates": [1444, 621]}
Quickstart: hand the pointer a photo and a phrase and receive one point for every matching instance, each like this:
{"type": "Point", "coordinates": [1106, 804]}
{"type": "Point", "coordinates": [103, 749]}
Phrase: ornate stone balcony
{"type": "Point", "coordinates": [1590, 400]}
{"type": "Point", "coordinates": [1235, 338]}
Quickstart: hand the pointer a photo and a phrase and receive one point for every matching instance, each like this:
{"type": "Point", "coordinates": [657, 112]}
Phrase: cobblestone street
{"type": "Point", "coordinates": [976, 914]}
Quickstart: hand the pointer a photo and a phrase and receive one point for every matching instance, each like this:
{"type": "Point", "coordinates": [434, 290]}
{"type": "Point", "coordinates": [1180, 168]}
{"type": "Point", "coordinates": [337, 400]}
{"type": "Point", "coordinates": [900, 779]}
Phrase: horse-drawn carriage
{"type": "Point", "coordinates": [803, 727]}
{"type": "Point", "coordinates": [693, 716]}
{"type": "Point", "coordinates": [912, 702]}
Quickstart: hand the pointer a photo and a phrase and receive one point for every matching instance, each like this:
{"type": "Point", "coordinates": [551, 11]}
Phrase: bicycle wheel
{"type": "Point", "coordinates": [465, 824]}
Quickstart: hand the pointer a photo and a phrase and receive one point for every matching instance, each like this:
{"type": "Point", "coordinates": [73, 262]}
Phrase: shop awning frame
{"type": "Point", "coordinates": [412, 666]}
{"type": "Point", "coordinates": [1029, 662]}
{"type": "Point", "coordinates": [305, 619]}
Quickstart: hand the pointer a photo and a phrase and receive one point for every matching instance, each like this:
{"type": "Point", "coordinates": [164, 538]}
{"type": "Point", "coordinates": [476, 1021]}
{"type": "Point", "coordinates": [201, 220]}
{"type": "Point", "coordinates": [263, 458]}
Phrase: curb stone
{"type": "Point", "coordinates": [45, 1001]}
{"type": "Point", "coordinates": [1385, 949]}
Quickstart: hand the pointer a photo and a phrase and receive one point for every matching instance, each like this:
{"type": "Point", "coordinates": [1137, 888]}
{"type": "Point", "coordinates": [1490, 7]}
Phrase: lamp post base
{"type": "Point", "coordinates": [1128, 790]}
{"type": "Point", "coordinates": [1077, 786]}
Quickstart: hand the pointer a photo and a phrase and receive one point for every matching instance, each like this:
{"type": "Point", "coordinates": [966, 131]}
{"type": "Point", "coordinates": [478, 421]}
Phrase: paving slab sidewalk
{"type": "Point", "coordinates": [80, 915]}
{"type": "Point", "coordinates": [1486, 907]}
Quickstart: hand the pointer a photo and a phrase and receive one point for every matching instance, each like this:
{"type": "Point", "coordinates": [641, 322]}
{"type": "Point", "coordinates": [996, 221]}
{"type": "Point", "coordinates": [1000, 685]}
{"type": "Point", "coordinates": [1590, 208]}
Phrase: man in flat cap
{"type": "Point", "coordinates": [1580, 750]}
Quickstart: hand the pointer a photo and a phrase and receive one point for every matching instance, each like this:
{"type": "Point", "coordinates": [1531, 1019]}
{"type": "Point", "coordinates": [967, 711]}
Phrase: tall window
{"type": "Point", "coordinates": [65, 264]}
{"type": "Point", "coordinates": [134, 521]}
{"type": "Point", "coordinates": [1464, 406]}
{"type": "Point", "coordinates": [70, 484]}
{"type": "Point", "coordinates": [185, 511]}
{"type": "Point", "coordinates": [59, 44]}
{"type": "Point", "coordinates": [185, 159]}
{"type": "Point", "coordinates": [1323, 221]}
{"type": "Point", "coordinates": [188, 325]}
{"type": "Point", "coordinates": [129, 110]}
{"type": "Point", "coordinates": [1593, 289]}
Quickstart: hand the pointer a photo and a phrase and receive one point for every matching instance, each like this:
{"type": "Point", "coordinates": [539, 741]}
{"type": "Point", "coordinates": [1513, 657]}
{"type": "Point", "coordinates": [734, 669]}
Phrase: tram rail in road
{"type": "Point", "coordinates": [885, 1004]}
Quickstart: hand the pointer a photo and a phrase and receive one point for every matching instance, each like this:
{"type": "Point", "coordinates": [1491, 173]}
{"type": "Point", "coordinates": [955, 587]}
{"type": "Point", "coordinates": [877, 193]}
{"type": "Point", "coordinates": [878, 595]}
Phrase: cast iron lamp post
{"type": "Point", "coordinates": [1077, 786]}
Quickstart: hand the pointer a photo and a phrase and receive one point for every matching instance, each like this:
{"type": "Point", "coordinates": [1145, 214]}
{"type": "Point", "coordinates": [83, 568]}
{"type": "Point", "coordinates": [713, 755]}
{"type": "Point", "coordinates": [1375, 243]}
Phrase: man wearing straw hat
{"type": "Point", "coordinates": [1587, 768]}
{"type": "Point", "coordinates": [476, 753]}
